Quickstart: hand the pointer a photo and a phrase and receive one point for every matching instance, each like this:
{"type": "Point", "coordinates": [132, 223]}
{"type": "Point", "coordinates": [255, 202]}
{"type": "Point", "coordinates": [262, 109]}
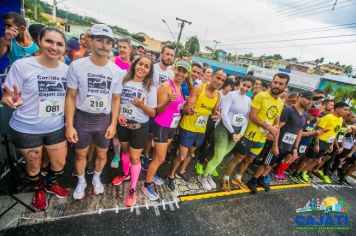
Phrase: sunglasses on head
{"type": "Point", "coordinates": [318, 98]}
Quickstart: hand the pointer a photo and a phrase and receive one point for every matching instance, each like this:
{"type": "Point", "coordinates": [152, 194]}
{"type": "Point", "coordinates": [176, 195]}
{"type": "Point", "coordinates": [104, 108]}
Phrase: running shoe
{"type": "Point", "coordinates": [268, 179]}
{"type": "Point", "coordinates": [261, 182]}
{"type": "Point", "coordinates": [157, 180]}
{"type": "Point", "coordinates": [199, 168]}
{"type": "Point", "coordinates": [150, 192]}
{"type": "Point", "coordinates": [305, 177]}
{"type": "Point", "coordinates": [319, 173]}
{"type": "Point", "coordinates": [184, 176]}
{"type": "Point", "coordinates": [170, 184]}
{"type": "Point", "coordinates": [225, 184]}
{"type": "Point", "coordinates": [204, 182]}
{"type": "Point", "coordinates": [211, 182]}
{"type": "Point", "coordinates": [115, 161]}
{"type": "Point", "coordinates": [98, 187]}
{"type": "Point", "coordinates": [145, 163]}
{"type": "Point", "coordinates": [344, 180]}
{"type": "Point", "coordinates": [326, 179]}
{"type": "Point", "coordinates": [119, 179]}
{"type": "Point", "coordinates": [40, 201]}
{"type": "Point", "coordinates": [239, 183]}
{"type": "Point", "coordinates": [90, 169]}
{"type": "Point", "coordinates": [215, 173]}
{"type": "Point", "coordinates": [131, 198]}
{"type": "Point", "coordinates": [295, 178]}
{"type": "Point", "coordinates": [59, 191]}
{"type": "Point", "coordinates": [251, 184]}
{"type": "Point", "coordinates": [79, 192]}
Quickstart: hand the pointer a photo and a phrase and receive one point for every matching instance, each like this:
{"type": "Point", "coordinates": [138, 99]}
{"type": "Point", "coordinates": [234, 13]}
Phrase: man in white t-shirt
{"type": "Point", "coordinates": [92, 106]}
{"type": "Point", "coordinates": [162, 72]}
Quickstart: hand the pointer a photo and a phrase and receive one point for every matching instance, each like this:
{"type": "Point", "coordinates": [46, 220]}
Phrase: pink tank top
{"type": "Point", "coordinates": [122, 64]}
{"type": "Point", "coordinates": [170, 117]}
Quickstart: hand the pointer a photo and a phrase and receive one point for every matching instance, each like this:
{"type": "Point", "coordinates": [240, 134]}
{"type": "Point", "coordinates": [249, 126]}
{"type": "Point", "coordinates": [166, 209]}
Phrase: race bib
{"type": "Point", "coordinates": [289, 138]}
{"type": "Point", "coordinates": [96, 104]}
{"type": "Point", "coordinates": [302, 148]}
{"type": "Point", "coordinates": [129, 111]}
{"type": "Point", "coordinates": [331, 139]}
{"type": "Point", "coordinates": [175, 121]}
{"type": "Point", "coordinates": [49, 108]}
{"type": "Point", "coordinates": [201, 121]}
{"type": "Point", "coordinates": [340, 138]}
{"type": "Point", "coordinates": [237, 120]}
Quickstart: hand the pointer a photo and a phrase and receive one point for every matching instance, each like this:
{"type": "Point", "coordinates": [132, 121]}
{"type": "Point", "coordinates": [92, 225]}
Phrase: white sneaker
{"type": "Point", "coordinates": [79, 192]}
{"type": "Point", "coordinates": [204, 182]}
{"type": "Point", "coordinates": [98, 186]}
{"type": "Point", "coordinates": [211, 182]}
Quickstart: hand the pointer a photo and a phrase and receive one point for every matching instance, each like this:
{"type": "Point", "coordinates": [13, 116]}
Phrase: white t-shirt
{"type": "Point", "coordinates": [43, 92]}
{"type": "Point", "coordinates": [134, 90]}
{"type": "Point", "coordinates": [235, 109]}
{"type": "Point", "coordinates": [95, 84]}
{"type": "Point", "coordinates": [160, 76]}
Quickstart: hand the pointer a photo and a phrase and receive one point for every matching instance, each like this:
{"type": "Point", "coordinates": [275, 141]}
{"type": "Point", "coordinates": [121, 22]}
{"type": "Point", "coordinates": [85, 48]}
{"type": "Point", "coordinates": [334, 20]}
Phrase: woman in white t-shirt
{"type": "Point", "coordinates": [138, 102]}
{"type": "Point", "coordinates": [36, 87]}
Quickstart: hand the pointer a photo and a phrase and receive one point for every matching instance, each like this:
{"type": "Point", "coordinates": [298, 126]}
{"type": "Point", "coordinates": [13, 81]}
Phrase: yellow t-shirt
{"type": "Point", "coordinates": [203, 107]}
{"type": "Point", "coordinates": [269, 108]}
{"type": "Point", "coordinates": [332, 125]}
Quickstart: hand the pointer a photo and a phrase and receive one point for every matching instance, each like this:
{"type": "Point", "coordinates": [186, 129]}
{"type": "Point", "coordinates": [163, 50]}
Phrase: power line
{"type": "Point", "coordinates": [296, 14]}
{"type": "Point", "coordinates": [297, 45]}
{"type": "Point", "coordinates": [294, 32]}
{"type": "Point", "coordinates": [290, 40]}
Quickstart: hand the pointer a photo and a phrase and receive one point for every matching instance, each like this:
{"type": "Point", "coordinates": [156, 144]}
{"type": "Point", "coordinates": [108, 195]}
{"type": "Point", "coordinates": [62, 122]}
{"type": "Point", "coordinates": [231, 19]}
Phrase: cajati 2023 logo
{"type": "Point", "coordinates": [327, 214]}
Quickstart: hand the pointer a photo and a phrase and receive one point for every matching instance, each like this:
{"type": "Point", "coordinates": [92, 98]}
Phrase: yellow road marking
{"type": "Point", "coordinates": [200, 196]}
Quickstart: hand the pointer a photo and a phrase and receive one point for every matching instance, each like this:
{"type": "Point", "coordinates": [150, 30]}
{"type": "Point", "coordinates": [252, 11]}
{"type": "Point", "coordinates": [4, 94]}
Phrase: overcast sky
{"type": "Point", "coordinates": [240, 26]}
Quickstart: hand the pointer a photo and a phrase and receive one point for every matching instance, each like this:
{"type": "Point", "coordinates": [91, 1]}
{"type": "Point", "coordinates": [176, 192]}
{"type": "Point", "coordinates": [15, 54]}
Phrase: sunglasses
{"type": "Point", "coordinates": [318, 98]}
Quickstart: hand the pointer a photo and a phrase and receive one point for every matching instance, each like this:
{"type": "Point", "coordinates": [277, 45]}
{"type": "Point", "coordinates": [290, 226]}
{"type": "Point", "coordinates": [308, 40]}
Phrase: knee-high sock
{"type": "Point", "coordinates": [125, 157]}
{"type": "Point", "coordinates": [36, 181]}
{"type": "Point", "coordinates": [53, 177]}
{"type": "Point", "coordinates": [135, 173]}
{"type": "Point", "coordinates": [282, 167]}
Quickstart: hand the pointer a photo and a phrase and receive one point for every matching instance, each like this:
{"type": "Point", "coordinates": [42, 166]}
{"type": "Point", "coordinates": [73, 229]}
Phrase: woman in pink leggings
{"type": "Point", "coordinates": [170, 100]}
{"type": "Point", "coordinates": [138, 103]}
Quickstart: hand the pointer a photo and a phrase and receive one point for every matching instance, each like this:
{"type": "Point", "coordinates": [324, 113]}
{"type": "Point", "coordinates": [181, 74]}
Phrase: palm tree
{"type": "Point", "coordinates": [329, 88]}
{"type": "Point", "coordinates": [343, 93]}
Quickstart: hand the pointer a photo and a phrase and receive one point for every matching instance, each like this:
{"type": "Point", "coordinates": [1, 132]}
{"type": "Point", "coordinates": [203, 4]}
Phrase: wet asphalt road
{"type": "Point", "coordinates": [269, 213]}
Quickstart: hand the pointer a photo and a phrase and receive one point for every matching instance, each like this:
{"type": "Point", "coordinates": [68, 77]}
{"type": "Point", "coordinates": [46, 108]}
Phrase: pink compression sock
{"type": "Point", "coordinates": [125, 157]}
{"type": "Point", "coordinates": [135, 173]}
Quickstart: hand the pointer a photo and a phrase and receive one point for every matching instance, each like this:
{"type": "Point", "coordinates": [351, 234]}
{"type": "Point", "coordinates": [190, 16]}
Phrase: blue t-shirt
{"type": "Point", "coordinates": [308, 127]}
{"type": "Point", "coordinates": [18, 52]}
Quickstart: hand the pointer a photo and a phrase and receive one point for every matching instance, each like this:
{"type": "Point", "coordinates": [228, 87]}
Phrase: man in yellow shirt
{"type": "Point", "coordinates": [202, 102]}
{"type": "Point", "coordinates": [266, 109]}
{"type": "Point", "coordinates": [330, 126]}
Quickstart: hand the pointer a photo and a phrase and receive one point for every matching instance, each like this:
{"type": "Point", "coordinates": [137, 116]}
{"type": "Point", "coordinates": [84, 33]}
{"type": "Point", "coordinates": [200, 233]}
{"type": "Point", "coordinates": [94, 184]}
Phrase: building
{"type": "Point", "coordinates": [330, 68]}
{"type": "Point", "coordinates": [246, 61]}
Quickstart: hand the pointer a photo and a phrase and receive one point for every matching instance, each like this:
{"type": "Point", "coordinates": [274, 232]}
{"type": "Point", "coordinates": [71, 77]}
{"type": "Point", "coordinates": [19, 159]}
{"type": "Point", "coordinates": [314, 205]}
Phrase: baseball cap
{"type": "Point", "coordinates": [306, 94]}
{"type": "Point", "coordinates": [315, 112]}
{"type": "Point", "coordinates": [73, 44]}
{"type": "Point", "coordinates": [101, 30]}
{"type": "Point", "coordinates": [183, 64]}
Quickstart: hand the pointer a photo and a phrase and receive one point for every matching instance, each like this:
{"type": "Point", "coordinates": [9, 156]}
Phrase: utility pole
{"type": "Point", "coordinates": [334, 5]}
{"type": "Point", "coordinates": [182, 24]}
{"type": "Point", "coordinates": [35, 10]}
{"type": "Point", "coordinates": [216, 43]}
{"type": "Point", "coordinates": [54, 11]}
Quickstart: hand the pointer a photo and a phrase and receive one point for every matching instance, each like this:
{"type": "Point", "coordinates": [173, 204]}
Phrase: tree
{"type": "Point", "coordinates": [277, 57]}
{"type": "Point", "coordinates": [348, 69]}
{"type": "Point", "coordinates": [192, 45]}
{"type": "Point", "coordinates": [329, 88]}
{"type": "Point", "coordinates": [343, 93]}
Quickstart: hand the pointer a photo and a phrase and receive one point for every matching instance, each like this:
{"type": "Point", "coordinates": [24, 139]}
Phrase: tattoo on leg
{"type": "Point", "coordinates": [33, 153]}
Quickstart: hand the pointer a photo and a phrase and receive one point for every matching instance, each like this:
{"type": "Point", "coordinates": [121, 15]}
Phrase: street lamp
{"type": "Point", "coordinates": [169, 28]}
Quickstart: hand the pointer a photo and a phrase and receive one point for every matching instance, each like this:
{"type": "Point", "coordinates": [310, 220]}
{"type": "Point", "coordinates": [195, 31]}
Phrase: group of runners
{"type": "Point", "coordinates": [134, 105]}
